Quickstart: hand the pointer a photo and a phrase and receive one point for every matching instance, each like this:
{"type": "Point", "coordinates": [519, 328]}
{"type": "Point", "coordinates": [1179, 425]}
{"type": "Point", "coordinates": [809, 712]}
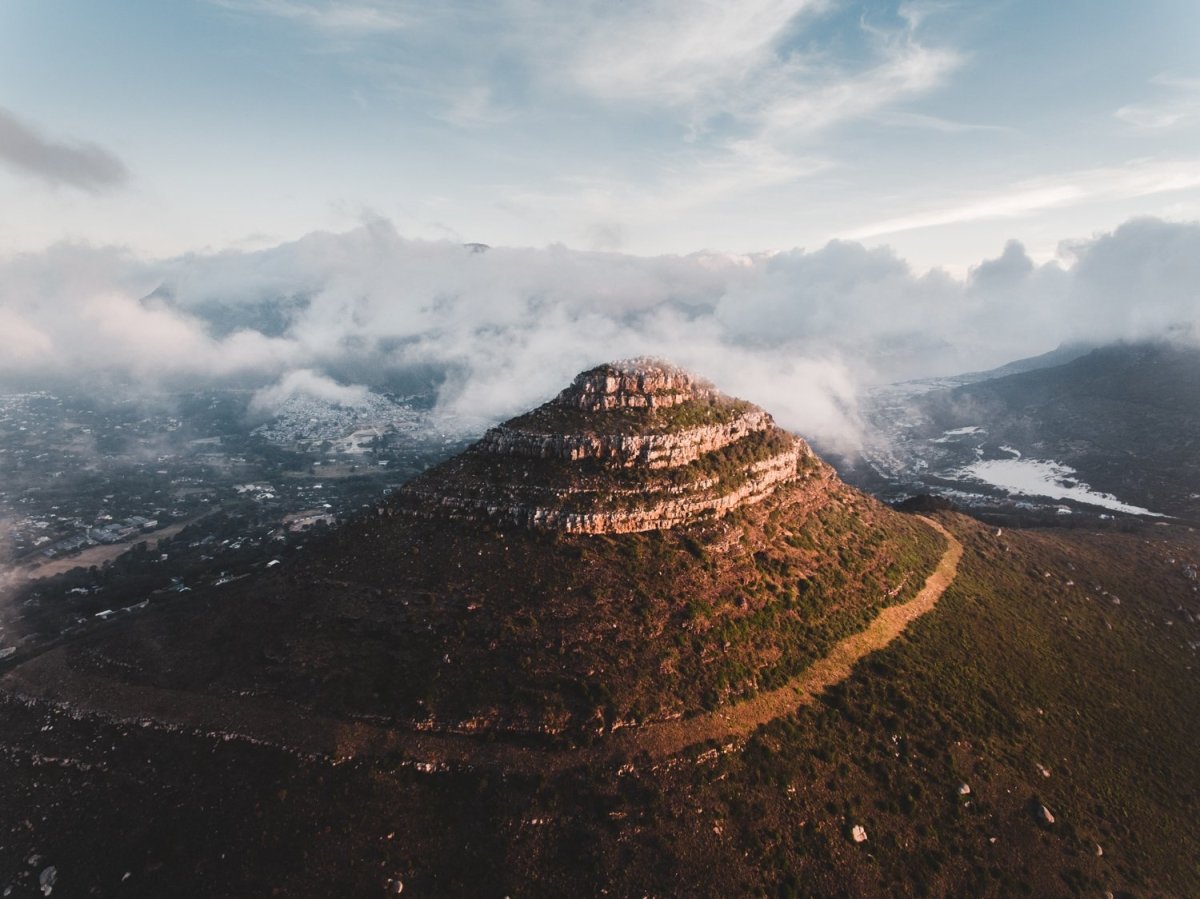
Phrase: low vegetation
{"type": "Point", "coordinates": [1056, 671]}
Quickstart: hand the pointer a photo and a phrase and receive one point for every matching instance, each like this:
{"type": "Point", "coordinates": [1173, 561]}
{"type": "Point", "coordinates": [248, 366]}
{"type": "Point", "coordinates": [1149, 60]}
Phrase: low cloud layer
{"type": "Point", "coordinates": [305, 382]}
{"type": "Point", "coordinates": [72, 163]}
{"type": "Point", "coordinates": [495, 332]}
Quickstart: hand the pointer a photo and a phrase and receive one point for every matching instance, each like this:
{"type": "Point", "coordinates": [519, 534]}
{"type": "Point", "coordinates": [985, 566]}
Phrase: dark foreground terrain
{"type": "Point", "coordinates": [1058, 671]}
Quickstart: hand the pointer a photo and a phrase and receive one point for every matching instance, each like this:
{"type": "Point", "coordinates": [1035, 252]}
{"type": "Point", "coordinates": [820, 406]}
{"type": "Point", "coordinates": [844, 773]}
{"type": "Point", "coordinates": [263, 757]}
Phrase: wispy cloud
{"type": "Point", "coordinates": [755, 109]}
{"type": "Point", "coordinates": [475, 107]}
{"type": "Point", "coordinates": [679, 52]}
{"type": "Point", "coordinates": [1139, 178]}
{"type": "Point", "coordinates": [903, 119]}
{"type": "Point", "coordinates": [704, 179]}
{"type": "Point", "coordinates": [906, 70]}
{"type": "Point", "coordinates": [719, 71]}
{"type": "Point", "coordinates": [712, 61]}
{"type": "Point", "coordinates": [59, 162]}
{"type": "Point", "coordinates": [1178, 103]}
{"type": "Point", "coordinates": [337, 16]}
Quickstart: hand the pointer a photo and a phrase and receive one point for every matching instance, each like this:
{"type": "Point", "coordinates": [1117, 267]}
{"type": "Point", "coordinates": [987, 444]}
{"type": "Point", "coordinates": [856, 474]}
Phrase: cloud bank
{"type": "Point", "coordinates": [801, 332]}
{"type": "Point", "coordinates": [71, 163]}
{"type": "Point", "coordinates": [305, 382]}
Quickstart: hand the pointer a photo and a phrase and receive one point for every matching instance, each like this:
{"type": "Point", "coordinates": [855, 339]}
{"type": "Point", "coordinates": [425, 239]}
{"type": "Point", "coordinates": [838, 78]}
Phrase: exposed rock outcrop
{"type": "Point", "coordinates": [661, 450]}
{"type": "Point", "coordinates": [634, 384]}
{"type": "Point", "coordinates": [631, 446]}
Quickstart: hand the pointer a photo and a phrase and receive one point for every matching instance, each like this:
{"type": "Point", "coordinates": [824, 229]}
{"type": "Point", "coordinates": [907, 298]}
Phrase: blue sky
{"type": "Point", "coordinates": [941, 129]}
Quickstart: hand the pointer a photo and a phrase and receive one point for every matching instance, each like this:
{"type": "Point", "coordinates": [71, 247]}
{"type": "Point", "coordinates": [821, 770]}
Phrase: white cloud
{"type": "Point", "coordinates": [907, 69]}
{"type": "Point", "coordinates": [799, 332]}
{"type": "Point", "coordinates": [1138, 178]}
{"type": "Point", "coordinates": [904, 119]}
{"type": "Point", "coordinates": [1178, 103]}
{"type": "Point", "coordinates": [679, 52]}
{"type": "Point", "coordinates": [308, 383]}
{"type": "Point", "coordinates": [335, 16]}
{"type": "Point", "coordinates": [1140, 281]}
{"type": "Point", "coordinates": [22, 344]}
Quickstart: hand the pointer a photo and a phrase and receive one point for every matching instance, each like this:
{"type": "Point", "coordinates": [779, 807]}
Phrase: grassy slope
{"type": "Point", "coordinates": [401, 619]}
{"type": "Point", "coordinates": [1012, 671]}
{"type": "Point", "coordinates": [991, 684]}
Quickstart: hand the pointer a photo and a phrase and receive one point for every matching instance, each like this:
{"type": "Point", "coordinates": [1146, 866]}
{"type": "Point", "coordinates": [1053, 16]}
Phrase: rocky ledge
{"type": "Point", "coordinates": [630, 446]}
{"type": "Point", "coordinates": [634, 384]}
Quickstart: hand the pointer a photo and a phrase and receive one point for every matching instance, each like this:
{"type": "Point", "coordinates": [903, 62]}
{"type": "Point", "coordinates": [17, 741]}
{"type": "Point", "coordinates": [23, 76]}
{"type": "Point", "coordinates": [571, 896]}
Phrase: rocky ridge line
{"type": "Point", "coordinates": [630, 446]}
{"type": "Point", "coordinates": [665, 450]}
{"type": "Point", "coordinates": [641, 383]}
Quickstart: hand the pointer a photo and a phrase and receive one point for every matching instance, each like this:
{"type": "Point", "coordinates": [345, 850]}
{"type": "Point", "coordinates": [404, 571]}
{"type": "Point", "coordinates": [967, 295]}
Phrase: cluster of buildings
{"type": "Point", "coordinates": [307, 422]}
{"type": "Point", "coordinates": [111, 532]}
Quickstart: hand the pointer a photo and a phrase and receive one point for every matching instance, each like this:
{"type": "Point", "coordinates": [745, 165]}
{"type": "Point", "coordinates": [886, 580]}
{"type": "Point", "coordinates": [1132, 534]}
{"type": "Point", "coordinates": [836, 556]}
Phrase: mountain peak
{"type": "Point", "coordinates": [635, 445]}
{"type": "Point", "coordinates": [641, 383]}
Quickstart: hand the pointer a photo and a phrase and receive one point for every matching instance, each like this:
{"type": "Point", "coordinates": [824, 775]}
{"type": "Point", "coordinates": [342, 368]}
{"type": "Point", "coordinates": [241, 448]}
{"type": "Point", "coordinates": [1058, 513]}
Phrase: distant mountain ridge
{"type": "Point", "coordinates": [1125, 417]}
{"type": "Point", "coordinates": [1063, 354]}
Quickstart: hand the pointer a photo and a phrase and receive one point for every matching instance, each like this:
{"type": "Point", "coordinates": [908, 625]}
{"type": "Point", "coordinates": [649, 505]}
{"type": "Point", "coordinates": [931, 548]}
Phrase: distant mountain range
{"type": "Point", "coordinates": [1123, 421]}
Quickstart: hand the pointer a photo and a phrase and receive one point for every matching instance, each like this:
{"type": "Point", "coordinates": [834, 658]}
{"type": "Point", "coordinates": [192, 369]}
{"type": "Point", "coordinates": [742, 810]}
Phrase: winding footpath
{"type": "Point", "coordinates": [743, 718]}
{"type": "Point", "coordinates": [50, 678]}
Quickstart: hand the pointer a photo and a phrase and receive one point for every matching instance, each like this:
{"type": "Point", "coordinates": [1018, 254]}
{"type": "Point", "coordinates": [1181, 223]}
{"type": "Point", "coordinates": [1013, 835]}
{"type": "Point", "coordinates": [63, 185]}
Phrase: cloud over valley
{"type": "Point", "coordinates": [800, 332]}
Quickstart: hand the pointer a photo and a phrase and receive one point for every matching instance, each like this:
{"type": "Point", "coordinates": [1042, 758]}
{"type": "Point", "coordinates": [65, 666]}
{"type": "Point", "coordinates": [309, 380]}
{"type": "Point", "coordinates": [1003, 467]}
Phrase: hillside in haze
{"type": "Point", "coordinates": [1119, 420]}
{"type": "Point", "coordinates": [583, 658]}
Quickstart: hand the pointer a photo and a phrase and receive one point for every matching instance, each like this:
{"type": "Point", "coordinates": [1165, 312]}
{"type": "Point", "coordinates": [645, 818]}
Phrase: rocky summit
{"type": "Point", "coordinates": [641, 549]}
{"type": "Point", "coordinates": [638, 445]}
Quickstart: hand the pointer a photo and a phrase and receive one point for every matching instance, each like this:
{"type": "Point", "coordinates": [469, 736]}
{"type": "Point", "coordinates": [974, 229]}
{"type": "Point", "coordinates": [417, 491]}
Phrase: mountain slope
{"type": "Point", "coordinates": [1126, 418]}
{"type": "Point", "coordinates": [465, 699]}
{"type": "Point", "coordinates": [1014, 673]}
{"type": "Point", "coordinates": [503, 591]}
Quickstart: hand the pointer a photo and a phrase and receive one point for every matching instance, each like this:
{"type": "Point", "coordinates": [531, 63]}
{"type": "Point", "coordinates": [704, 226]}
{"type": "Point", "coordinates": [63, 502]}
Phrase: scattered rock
{"type": "Point", "coordinates": [1099, 850]}
{"type": "Point", "coordinates": [964, 790]}
{"type": "Point", "coordinates": [1043, 814]}
{"type": "Point", "coordinates": [858, 833]}
{"type": "Point", "coordinates": [1043, 770]}
{"type": "Point", "coordinates": [395, 886]}
{"type": "Point", "coordinates": [47, 879]}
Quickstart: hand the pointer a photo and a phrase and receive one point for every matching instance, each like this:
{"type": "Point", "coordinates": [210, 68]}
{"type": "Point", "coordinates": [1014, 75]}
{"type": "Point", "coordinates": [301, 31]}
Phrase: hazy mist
{"type": "Point", "coordinates": [800, 332]}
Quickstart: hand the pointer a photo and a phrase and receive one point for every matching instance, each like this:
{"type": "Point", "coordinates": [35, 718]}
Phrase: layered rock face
{"type": "Point", "coordinates": [630, 446]}
{"type": "Point", "coordinates": [634, 384]}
